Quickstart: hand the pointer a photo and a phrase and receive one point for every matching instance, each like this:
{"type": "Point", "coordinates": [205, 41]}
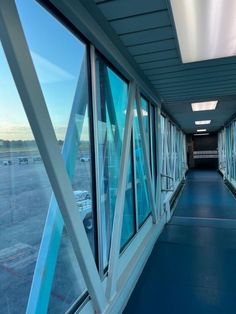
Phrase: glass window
{"type": "Point", "coordinates": [112, 100]}
{"type": "Point", "coordinates": [145, 113]}
{"type": "Point", "coordinates": [178, 154]}
{"type": "Point", "coordinates": [143, 203]}
{"type": "Point", "coordinates": [24, 198]}
{"type": "Point", "coordinates": [58, 57]}
{"type": "Point", "coordinates": [128, 225]}
{"type": "Point", "coordinates": [68, 284]}
{"type": "Point", "coordinates": [164, 154]}
{"type": "Point", "coordinates": [169, 167]}
{"type": "Point", "coordinates": [154, 144]}
{"type": "Point", "coordinates": [60, 63]}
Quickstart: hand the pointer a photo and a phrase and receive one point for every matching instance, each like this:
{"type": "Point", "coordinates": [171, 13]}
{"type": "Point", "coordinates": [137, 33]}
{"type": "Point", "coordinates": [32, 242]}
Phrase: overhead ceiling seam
{"type": "Point", "coordinates": [135, 15]}
{"type": "Point", "coordinates": [211, 71]}
{"type": "Point", "coordinates": [153, 52]}
{"type": "Point", "coordinates": [143, 30]}
{"type": "Point", "coordinates": [149, 42]}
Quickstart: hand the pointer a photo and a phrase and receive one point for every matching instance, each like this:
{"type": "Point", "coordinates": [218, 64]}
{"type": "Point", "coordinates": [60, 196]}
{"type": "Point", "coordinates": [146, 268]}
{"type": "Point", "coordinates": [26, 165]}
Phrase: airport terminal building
{"type": "Point", "coordinates": [117, 156]}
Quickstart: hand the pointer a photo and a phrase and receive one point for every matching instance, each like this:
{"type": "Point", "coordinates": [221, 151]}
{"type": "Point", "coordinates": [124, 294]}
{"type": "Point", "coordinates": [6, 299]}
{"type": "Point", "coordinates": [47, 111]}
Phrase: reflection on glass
{"type": "Point", "coordinates": [60, 63]}
{"type": "Point", "coordinates": [112, 94]}
{"type": "Point", "coordinates": [24, 198]}
{"type": "Point", "coordinates": [57, 56]}
{"type": "Point", "coordinates": [68, 284]}
{"type": "Point", "coordinates": [128, 225]}
{"type": "Point", "coordinates": [143, 202]}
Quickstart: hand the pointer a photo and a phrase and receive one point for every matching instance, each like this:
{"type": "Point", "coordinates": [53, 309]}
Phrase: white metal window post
{"type": "Point", "coordinates": [25, 77]}
{"type": "Point", "coordinates": [100, 222]}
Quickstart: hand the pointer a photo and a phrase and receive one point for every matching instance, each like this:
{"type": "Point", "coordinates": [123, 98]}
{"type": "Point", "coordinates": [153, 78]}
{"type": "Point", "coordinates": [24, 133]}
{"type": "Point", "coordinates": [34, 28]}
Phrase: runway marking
{"type": "Point", "coordinates": [18, 257]}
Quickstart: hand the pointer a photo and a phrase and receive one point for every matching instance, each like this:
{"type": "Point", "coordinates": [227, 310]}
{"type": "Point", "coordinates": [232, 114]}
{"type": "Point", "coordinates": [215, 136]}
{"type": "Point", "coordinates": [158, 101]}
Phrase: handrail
{"type": "Point", "coordinates": [166, 176]}
{"type": "Point", "coordinates": [167, 190]}
{"type": "Point", "coordinates": [172, 185]}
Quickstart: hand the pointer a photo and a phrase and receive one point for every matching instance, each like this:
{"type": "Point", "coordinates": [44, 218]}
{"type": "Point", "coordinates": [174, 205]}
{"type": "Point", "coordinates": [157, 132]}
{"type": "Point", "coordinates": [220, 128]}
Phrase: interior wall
{"type": "Point", "coordinates": [202, 151]}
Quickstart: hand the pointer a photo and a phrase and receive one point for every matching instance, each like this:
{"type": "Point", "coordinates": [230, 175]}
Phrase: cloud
{"type": "Point", "coordinates": [9, 131]}
{"type": "Point", "coordinates": [13, 131]}
{"type": "Point", "coordinates": [49, 72]}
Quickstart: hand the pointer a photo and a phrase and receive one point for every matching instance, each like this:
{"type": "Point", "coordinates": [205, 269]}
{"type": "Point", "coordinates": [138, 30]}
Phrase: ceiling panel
{"type": "Point", "coordinates": [147, 36]}
{"type": "Point", "coordinates": [150, 47]}
{"type": "Point", "coordinates": [141, 22]}
{"type": "Point", "coordinates": [159, 55]}
{"type": "Point", "coordinates": [123, 8]}
{"type": "Point", "coordinates": [146, 30]}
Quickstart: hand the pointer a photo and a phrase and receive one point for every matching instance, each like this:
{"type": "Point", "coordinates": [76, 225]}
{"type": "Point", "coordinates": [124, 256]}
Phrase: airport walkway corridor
{"type": "Point", "coordinates": [192, 266]}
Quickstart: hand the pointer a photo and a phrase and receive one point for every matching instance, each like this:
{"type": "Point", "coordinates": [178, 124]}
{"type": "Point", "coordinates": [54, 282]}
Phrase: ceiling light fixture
{"type": "Point", "coordinates": [199, 134]}
{"type": "Point", "coordinates": [206, 105]}
{"type": "Point", "coordinates": [202, 122]}
{"type": "Point", "coordinates": [201, 130]}
{"type": "Point", "coordinates": [205, 28]}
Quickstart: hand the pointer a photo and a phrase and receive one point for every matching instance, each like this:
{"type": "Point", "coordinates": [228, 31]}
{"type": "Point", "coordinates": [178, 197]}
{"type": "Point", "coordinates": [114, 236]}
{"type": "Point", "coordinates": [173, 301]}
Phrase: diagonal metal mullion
{"type": "Point", "coordinates": [120, 199]}
{"type": "Point", "coordinates": [146, 158]}
{"type": "Point", "coordinates": [21, 65]}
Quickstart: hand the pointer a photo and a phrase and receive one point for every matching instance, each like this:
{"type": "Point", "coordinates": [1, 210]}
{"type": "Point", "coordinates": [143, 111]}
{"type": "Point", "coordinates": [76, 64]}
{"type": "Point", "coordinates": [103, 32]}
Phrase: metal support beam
{"type": "Point", "coordinates": [100, 219]}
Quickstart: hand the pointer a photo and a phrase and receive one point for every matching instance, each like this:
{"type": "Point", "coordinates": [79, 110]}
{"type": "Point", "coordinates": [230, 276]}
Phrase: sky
{"type": "Point", "coordinates": [57, 56]}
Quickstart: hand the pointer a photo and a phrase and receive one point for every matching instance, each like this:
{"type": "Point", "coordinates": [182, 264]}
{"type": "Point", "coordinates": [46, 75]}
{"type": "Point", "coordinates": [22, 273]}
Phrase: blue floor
{"type": "Point", "coordinates": [192, 268]}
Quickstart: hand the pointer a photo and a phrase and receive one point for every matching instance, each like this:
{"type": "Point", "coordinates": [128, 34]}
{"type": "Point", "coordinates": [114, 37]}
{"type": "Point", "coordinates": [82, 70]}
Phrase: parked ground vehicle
{"type": "Point", "coordinates": [84, 204]}
{"type": "Point", "coordinates": [83, 159]}
{"type": "Point", "coordinates": [37, 159]}
{"type": "Point", "coordinates": [7, 162]}
{"type": "Point", "coordinates": [23, 161]}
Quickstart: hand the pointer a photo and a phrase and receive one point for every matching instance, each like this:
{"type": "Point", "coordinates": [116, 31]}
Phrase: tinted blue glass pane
{"type": "Point", "coordinates": [57, 56]}
{"type": "Point", "coordinates": [143, 202]}
{"type": "Point", "coordinates": [112, 98]}
{"type": "Point", "coordinates": [128, 225]}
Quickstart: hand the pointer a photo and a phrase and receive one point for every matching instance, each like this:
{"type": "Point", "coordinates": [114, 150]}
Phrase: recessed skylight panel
{"type": "Point", "coordinates": [202, 122]}
{"type": "Point", "coordinates": [205, 28]}
{"type": "Point", "coordinates": [203, 106]}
